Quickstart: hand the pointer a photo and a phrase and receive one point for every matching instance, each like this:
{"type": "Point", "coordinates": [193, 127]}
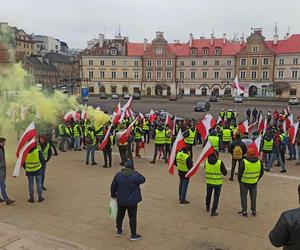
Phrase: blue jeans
{"type": "Point", "coordinates": [183, 186]}
{"type": "Point", "coordinates": [77, 142]}
{"type": "Point", "coordinates": [38, 180]}
{"type": "Point", "coordinates": [292, 150]}
{"type": "Point", "coordinates": [274, 157]}
{"type": "Point", "coordinates": [3, 190]}
{"type": "Point", "coordinates": [90, 149]}
{"type": "Point", "coordinates": [267, 157]}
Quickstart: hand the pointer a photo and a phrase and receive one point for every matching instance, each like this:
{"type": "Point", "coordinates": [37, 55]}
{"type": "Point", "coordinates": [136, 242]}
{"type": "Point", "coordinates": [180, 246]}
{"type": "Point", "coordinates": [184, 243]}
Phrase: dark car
{"type": "Point", "coordinates": [202, 106]}
{"type": "Point", "coordinates": [126, 96]}
{"type": "Point", "coordinates": [213, 98]}
{"type": "Point", "coordinates": [136, 96]}
{"type": "Point", "coordinates": [103, 96]}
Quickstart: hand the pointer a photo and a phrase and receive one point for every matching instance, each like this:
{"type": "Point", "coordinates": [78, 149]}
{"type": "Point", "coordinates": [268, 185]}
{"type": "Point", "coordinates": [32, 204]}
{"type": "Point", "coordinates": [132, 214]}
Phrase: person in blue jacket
{"type": "Point", "coordinates": [125, 188]}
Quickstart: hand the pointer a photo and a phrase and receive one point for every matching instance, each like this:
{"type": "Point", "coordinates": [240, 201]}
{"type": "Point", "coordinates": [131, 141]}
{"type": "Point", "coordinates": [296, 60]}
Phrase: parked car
{"type": "Point", "coordinates": [172, 98]}
{"type": "Point", "coordinates": [293, 101]}
{"type": "Point", "coordinates": [136, 96]}
{"type": "Point", "coordinates": [202, 106]}
{"type": "Point", "coordinates": [126, 96]}
{"type": "Point", "coordinates": [238, 99]}
{"type": "Point", "coordinates": [64, 90]}
{"type": "Point", "coordinates": [114, 96]}
{"type": "Point", "coordinates": [213, 98]}
{"type": "Point", "coordinates": [103, 96]}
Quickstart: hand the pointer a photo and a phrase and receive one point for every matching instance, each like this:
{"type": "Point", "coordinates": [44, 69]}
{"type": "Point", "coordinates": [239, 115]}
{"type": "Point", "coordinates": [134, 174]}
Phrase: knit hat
{"type": "Point", "coordinates": [251, 152]}
{"type": "Point", "coordinates": [129, 164]}
{"type": "Point", "coordinates": [2, 139]}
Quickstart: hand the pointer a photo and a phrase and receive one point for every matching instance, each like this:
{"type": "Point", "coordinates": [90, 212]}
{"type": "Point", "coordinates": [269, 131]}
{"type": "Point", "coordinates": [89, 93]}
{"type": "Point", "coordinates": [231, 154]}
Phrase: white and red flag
{"type": "Point", "coordinates": [141, 116]}
{"type": "Point", "coordinates": [168, 120]}
{"type": "Point", "coordinates": [207, 151]}
{"type": "Point", "coordinates": [177, 146]}
{"type": "Point", "coordinates": [239, 89]}
{"type": "Point", "coordinates": [256, 145]}
{"type": "Point", "coordinates": [127, 104]}
{"type": "Point", "coordinates": [152, 116]}
{"type": "Point", "coordinates": [252, 125]}
{"type": "Point", "coordinates": [174, 125]}
{"type": "Point", "coordinates": [72, 115]}
{"type": "Point", "coordinates": [288, 122]}
{"type": "Point", "coordinates": [261, 124]}
{"type": "Point", "coordinates": [28, 134]}
{"type": "Point", "coordinates": [106, 138]}
{"type": "Point", "coordinates": [205, 125]}
{"type": "Point", "coordinates": [220, 119]}
{"type": "Point", "coordinates": [244, 127]}
{"type": "Point", "coordinates": [129, 113]}
{"type": "Point", "coordinates": [126, 134]}
{"type": "Point", "coordinates": [287, 110]}
{"type": "Point", "coordinates": [117, 114]}
{"type": "Point", "coordinates": [293, 131]}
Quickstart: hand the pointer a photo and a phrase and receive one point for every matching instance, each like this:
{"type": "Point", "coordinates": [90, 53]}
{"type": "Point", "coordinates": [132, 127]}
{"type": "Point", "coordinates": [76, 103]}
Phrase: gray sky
{"type": "Point", "coordinates": [76, 21]}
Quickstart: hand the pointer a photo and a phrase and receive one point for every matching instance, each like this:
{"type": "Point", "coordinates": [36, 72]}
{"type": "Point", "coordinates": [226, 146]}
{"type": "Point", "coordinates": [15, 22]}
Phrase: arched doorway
{"type": "Point", "coordinates": [148, 91]}
{"type": "Point", "coordinates": [204, 91]}
{"type": "Point", "coordinates": [158, 90]}
{"type": "Point", "coordinates": [168, 91]}
{"type": "Point", "coordinates": [264, 90]}
{"type": "Point", "coordinates": [252, 91]}
{"type": "Point", "coordinates": [216, 91]}
{"type": "Point", "coordinates": [102, 89]}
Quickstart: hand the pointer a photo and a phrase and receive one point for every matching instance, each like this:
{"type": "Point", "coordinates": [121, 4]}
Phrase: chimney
{"type": "Point", "coordinates": [224, 38]}
{"type": "Point", "coordinates": [212, 39]}
{"type": "Point", "coordinates": [145, 44]}
{"type": "Point", "coordinates": [101, 40]}
{"type": "Point", "coordinates": [191, 40]}
{"type": "Point", "coordinates": [241, 40]}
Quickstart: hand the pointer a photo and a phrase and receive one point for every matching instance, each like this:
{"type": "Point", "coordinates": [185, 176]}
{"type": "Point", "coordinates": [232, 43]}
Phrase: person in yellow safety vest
{"type": "Point", "coordinates": [226, 137]}
{"type": "Point", "coordinates": [189, 138]}
{"type": "Point", "coordinates": [33, 165]}
{"type": "Point", "coordinates": [267, 146]}
{"type": "Point", "coordinates": [107, 151]}
{"type": "Point", "coordinates": [98, 132]}
{"type": "Point", "coordinates": [146, 129]}
{"type": "Point", "coordinates": [160, 141]}
{"type": "Point", "coordinates": [122, 144]}
{"type": "Point", "coordinates": [214, 169]}
{"type": "Point", "coordinates": [62, 132]}
{"type": "Point", "coordinates": [184, 163]}
{"type": "Point", "coordinates": [214, 140]}
{"type": "Point", "coordinates": [250, 172]}
{"type": "Point", "coordinates": [229, 115]}
{"type": "Point", "coordinates": [44, 146]}
{"type": "Point", "coordinates": [90, 143]}
{"type": "Point", "coordinates": [70, 134]}
{"type": "Point", "coordinates": [168, 139]}
{"type": "Point", "coordinates": [222, 114]}
{"type": "Point", "coordinates": [77, 136]}
{"type": "Point", "coordinates": [138, 134]}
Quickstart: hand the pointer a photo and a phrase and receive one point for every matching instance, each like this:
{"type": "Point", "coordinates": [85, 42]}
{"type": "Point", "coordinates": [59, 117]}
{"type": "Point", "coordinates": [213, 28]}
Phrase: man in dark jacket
{"type": "Point", "coordinates": [248, 114]}
{"type": "Point", "coordinates": [286, 232]}
{"type": "Point", "coordinates": [3, 174]}
{"type": "Point", "coordinates": [254, 115]}
{"type": "Point", "coordinates": [125, 188]}
{"type": "Point", "coordinates": [250, 172]}
{"type": "Point", "coordinates": [237, 149]}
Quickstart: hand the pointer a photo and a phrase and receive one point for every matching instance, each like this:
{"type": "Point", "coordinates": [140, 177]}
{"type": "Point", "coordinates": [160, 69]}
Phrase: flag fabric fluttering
{"type": "Point", "coordinates": [152, 116]}
{"type": "Point", "coordinates": [293, 131]}
{"type": "Point", "coordinates": [244, 127]}
{"type": "Point", "coordinates": [287, 110]}
{"type": "Point", "coordinates": [141, 116]}
{"type": "Point", "coordinates": [261, 124]}
{"type": "Point", "coordinates": [205, 125]}
{"type": "Point", "coordinates": [116, 114]}
{"type": "Point", "coordinates": [239, 89]}
{"type": "Point", "coordinates": [106, 138]}
{"type": "Point", "coordinates": [174, 125]}
{"type": "Point", "coordinates": [256, 145]}
{"type": "Point", "coordinates": [125, 135]}
{"type": "Point", "coordinates": [288, 122]}
{"type": "Point", "coordinates": [168, 120]}
{"type": "Point", "coordinates": [28, 134]}
{"type": "Point", "coordinates": [177, 146]}
{"type": "Point", "coordinates": [207, 151]}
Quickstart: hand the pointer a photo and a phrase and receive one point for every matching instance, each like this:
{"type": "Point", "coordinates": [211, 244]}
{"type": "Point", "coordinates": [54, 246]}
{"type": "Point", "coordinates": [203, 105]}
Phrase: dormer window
{"type": "Point", "coordinates": [218, 51]}
{"type": "Point", "coordinates": [255, 49]}
{"type": "Point", "coordinates": [113, 52]}
{"type": "Point", "coordinates": [158, 51]}
{"type": "Point", "coordinates": [205, 51]}
{"type": "Point", "coordinates": [193, 52]}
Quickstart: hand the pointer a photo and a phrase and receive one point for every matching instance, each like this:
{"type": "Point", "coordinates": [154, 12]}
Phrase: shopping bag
{"type": "Point", "coordinates": [113, 208]}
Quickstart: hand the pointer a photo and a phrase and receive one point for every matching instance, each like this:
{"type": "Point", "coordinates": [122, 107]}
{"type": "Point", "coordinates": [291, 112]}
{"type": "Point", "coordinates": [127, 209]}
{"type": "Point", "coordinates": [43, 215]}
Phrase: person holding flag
{"type": "Point", "coordinates": [168, 140]}
{"type": "Point", "coordinates": [122, 142]}
{"type": "Point", "coordinates": [138, 134]}
{"type": "Point", "coordinates": [108, 141]}
{"type": "Point", "coordinates": [160, 137]}
{"type": "Point", "coordinates": [184, 163]}
{"type": "Point", "coordinates": [190, 135]}
{"type": "Point", "coordinates": [146, 129]}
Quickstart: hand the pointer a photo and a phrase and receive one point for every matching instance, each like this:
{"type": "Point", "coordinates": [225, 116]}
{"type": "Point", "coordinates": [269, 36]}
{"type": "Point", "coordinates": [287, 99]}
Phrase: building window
{"type": "Point", "coordinates": [136, 63]}
{"type": "Point", "coordinates": [218, 51]}
{"type": "Point", "coordinates": [113, 74]}
{"type": "Point", "coordinates": [193, 63]}
{"type": "Point", "coordinates": [281, 61]}
{"type": "Point", "coordinates": [293, 92]}
{"type": "Point", "coordinates": [242, 74]}
{"type": "Point", "coordinates": [113, 52]}
{"type": "Point", "coordinates": [159, 51]}
{"type": "Point", "coordinates": [91, 74]}
{"type": "Point", "coordinates": [169, 74]}
{"type": "Point", "coordinates": [193, 52]}
{"type": "Point", "coordinates": [295, 60]}
{"type": "Point", "coordinates": [280, 74]}
{"type": "Point", "coordinates": [254, 61]}
{"type": "Point", "coordinates": [255, 49]}
{"type": "Point", "coordinates": [125, 63]}
{"type": "Point", "coordinates": [149, 75]}
{"type": "Point", "coordinates": [181, 75]}
{"type": "Point", "coordinates": [265, 74]}
{"type": "Point", "coordinates": [181, 63]}
{"type": "Point", "coordinates": [113, 63]}
{"type": "Point", "coordinates": [102, 63]}
{"type": "Point", "coordinates": [158, 75]}
{"type": "Point", "coordinates": [294, 74]}
{"type": "Point", "coordinates": [253, 74]}
{"type": "Point", "coordinates": [125, 74]}
{"type": "Point", "coordinates": [91, 62]}
{"type": "Point", "coordinates": [102, 74]}
{"type": "Point", "coordinates": [228, 74]}
{"type": "Point", "coordinates": [216, 74]}
{"type": "Point", "coordinates": [193, 74]}
{"type": "Point", "coordinates": [204, 63]}
{"type": "Point", "coordinates": [266, 61]}
{"type": "Point", "coordinates": [228, 62]}
{"type": "Point", "coordinates": [205, 51]}
{"type": "Point", "coordinates": [204, 74]}
{"type": "Point", "coordinates": [278, 91]}
{"type": "Point", "coordinates": [158, 63]}
{"type": "Point", "coordinates": [113, 89]}
{"type": "Point", "coordinates": [136, 75]}
{"type": "Point", "coordinates": [243, 61]}
{"type": "Point", "coordinates": [149, 63]}
{"type": "Point", "coordinates": [217, 62]}
{"type": "Point", "coordinates": [169, 63]}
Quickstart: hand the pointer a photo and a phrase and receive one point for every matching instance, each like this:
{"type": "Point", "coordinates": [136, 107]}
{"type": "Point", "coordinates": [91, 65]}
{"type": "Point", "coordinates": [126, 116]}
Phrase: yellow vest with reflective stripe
{"type": "Point", "coordinates": [191, 138]}
{"type": "Point", "coordinates": [228, 115]}
{"type": "Point", "coordinates": [214, 140]}
{"type": "Point", "coordinates": [45, 151]}
{"type": "Point", "coordinates": [268, 145]}
{"type": "Point", "coordinates": [137, 135]}
{"type": "Point", "coordinates": [146, 125]}
{"type": "Point", "coordinates": [160, 136]}
{"type": "Point", "coordinates": [168, 139]}
{"type": "Point", "coordinates": [251, 172]}
{"type": "Point", "coordinates": [226, 135]}
{"type": "Point", "coordinates": [213, 174]}
{"type": "Point", "coordinates": [181, 161]}
{"type": "Point", "coordinates": [76, 130]}
{"type": "Point", "coordinates": [61, 129]}
{"type": "Point", "coordinates": [32, 161]}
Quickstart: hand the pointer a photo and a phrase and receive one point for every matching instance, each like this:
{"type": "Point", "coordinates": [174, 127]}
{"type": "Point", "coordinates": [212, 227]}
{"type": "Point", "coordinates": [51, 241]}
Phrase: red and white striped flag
{"type": "Point", "coordinates": [106, 138]}
{"type": "Point", "coordinates": [174, 125]}
{"type": "Point", "coordinates": [239, 89]}
{"type": "Point", "coordinates": [252, 125]}
{"type": "Point", "coordinates": [288, 122]}
{"type": "Point", "coordinates": [256, 145]}
{"type": "Point", "coordinates": [205, 125]}
{"type": "Point", "coordinates": [244, 127]}
{"type": "Point", "coordinates": [292, 131]}
{"type": "Point", "coordinates": [177, 146]}
{"type": "Point", "coordinates": [127, 104]}
{"type": "Point", "coordinates": [261, 124]}
{"type": "Point", "coordinates": [29, 145]}
{"type": "Point", "coordinates": [141, 115]}
{"type": "Point", "coordinates": [125, 135]}
{"type": "Point", "coordinates": [207, 151]}
{"type": "Point", "coordinates": [168, 120]}
{"type": "Point", "coordinates": [28, 134]}
{"type": "Point", "coordinates": [84, 115]}
{"type": "Point", "coordinates": [117, 114]}
{"type": "Point", "coordinates": [287, 110]}
{"type": "Point", "coordinates": [152, 116]}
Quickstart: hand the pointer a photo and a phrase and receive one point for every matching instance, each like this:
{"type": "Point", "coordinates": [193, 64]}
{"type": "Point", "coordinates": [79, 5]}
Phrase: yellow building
{"type": "Point", "coordinates": [24, 44]}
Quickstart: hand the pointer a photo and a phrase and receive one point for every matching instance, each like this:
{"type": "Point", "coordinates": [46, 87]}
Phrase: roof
{"type": "Point", "coordinates": [36, 63]}
{"type": "Point", "coordinates": [57, 58]}
{"type": "Point", "coordinates": [180, 49]}
{"type": "Point", "coordinates": [290, 45]}
{"type": "Point", "coordinates": [135, 49]}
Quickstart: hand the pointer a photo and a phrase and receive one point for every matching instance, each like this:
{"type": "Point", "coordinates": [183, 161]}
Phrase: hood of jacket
{"type": "Point", "coordinates": [127, 171]}
{"type": "Point", "coordinates": [252, 159]}
{"type": "Point", "coordinates": [212, 159]}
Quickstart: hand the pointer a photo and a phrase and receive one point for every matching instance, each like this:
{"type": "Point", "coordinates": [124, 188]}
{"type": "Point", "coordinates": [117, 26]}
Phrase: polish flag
{"type": "Point", "coordinates": [174, 125]}
{"type": "Point", "coordinates": [84, 115]}
{"type": "Point", "coordinates": [127, 104]}
{"type": "Point", "coordinates": [129, 113]}
{"type": "Point", "coordinates": [125, 135]}
{"type": "Point", "coordinates": [288, 122]}
{"type": "Point", "coordinates": [293, 131]}
{"type": "Point", "coordinates": [106, 138]}
{"type": "Point", "coordinates": [168, 120]}
{"type": "Point", "coordinates": [244, 127]}
{"type": "Point", "coordinates": [207, 151]}
{"type": "Point", "coordinates": [141, 115]}
{"type": "Point", "coordinates": [177, 146]}
{"type": "Point", "coordinates": [22, 155]}
{"type": "Point", "coordinates": [239, 89]}
{"type": "Point", "coordinates": [265, 125]}
{"type": "Point", "coordinates": [252, 125]}
{"type": "Point", "coordinates": [287, 110]}
{"type": "Point", "coordinates": [261, 124]}
{"type": "Point", "coordinates": [205, 125]}
{"type": "Point", "coordinates": [69, 115]}
{"type": "Point", "coordinates": [121, 117]}
{"type": "Point", "coordinates": [117, 114]}
{"type": "Point", "coordinates": [28, 134]}
{"type": "Point", "coordinates": [152, 116]}
{"type": "Point", "coordinates": [256, 145]}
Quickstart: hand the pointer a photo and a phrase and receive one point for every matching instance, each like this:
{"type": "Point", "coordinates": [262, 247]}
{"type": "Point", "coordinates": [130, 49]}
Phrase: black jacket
{"type": "Point", "coordinates": [286, 232]}
{"type": "Point", "coordinates": [242, 168]}
{"type": "Point", "coordinates": [237, 142]}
